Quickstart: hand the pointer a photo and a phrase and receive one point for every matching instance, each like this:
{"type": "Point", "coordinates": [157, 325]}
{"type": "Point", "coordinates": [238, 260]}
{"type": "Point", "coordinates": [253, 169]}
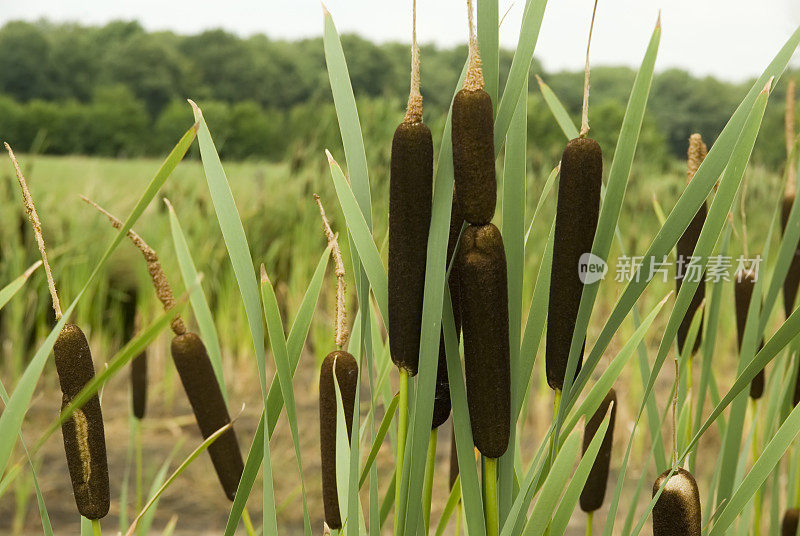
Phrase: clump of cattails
{"type": "Point", "coordinates": [341, 365]}
{"type": "Point", "coordinates": [577, 211]}
{"type": "Point", "coordinates": [473, 142]}
{"type": "Point", "coordinates": [686, 245]}
{"type": "Point", "coordinates": [594, 490]}
{"type": "Point", "coordinates": [744, 282]}
{"type": "Point", "coordinates": [484, 318]}
{"type": "Point", "coordinates": [83, 431]}
{"type": "Point", "coordinates": [790, 519]}
{"type": "Point", "coordinates": [410, 198]}
{"type": "Point", "coordinates": [677, 510]}
{"type": "Point", "coordinates": [196, 373]}
{"type": "Point", "coordinates": [139, 363]}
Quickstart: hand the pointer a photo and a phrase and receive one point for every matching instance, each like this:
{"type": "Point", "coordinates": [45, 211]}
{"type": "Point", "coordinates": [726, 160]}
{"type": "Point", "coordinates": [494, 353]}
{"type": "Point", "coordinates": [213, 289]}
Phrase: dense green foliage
{"type": "Point", "coordinates": [118, 90]}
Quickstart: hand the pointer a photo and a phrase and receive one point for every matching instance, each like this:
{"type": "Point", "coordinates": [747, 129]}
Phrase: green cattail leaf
{"type": "Point", "coordinates": [388, 418]}
{"type": "Point", "coordinates": [513, 230]}
{"type": "Point", "coordinates": [146, 522]}
{"type": "Point", "coordinates": [362, 238]}
{"type": "Point", "coordinates": [548, 185]}
{"type": "Point", "coordinates": [280, 353]}
{"type": "Point", "coordinates": [465, 450]}
{"type": "Point", "coordinates": [14, 412]}
{"type": "Point", "coordinates": [488, 30]}
{"type": "Point", "coordinates": [578, 480]}
{"type": "Point", "coordinates": [174, 476]}
{"type": "Point", "coordinates": [202, 312]}
{"type": "Point", "coordinates": [47, 528]}
{"type": "Point", "coordinates": [560, 113]}
{"type": "Point", "coordinates": [294, 346]}
{"type": "Point", "coordinates": [8, 292]}
{"type": "Point", "coordinates": [518, 74]}
{"type": "Point", "coordinates": [758, 474]}
{"type": "Point", "coordinates": [450, 506]}
{"type": "Point", "coordinates": [235, 240]}
{"type": "Point", "coordinates": [553, 486]}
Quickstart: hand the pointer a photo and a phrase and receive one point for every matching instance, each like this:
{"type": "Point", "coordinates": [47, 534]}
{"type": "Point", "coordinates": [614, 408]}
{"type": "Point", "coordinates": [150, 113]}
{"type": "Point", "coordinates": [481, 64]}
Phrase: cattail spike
{"type": "Point", "coordinates": [677, 510]}
{"type": "Point", "coordinates": [160, 282]}
{"type": "Point", "coordinates": [342, 333]}
{"type": "Point", "coordinates": [697, 153]}
{"type": "Point", "coordinates": [594, 490]}
{"type": "Point", "coordinates": [33, 216]}
{"type": "Point", "coordinates": [790, 520]}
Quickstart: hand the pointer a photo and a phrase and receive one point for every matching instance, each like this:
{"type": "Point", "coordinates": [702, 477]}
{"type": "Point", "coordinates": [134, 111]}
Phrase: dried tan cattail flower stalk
{"type": "Point", "coordinates": [585, 108]}
{"type": "Point", "coordinates": [414, 107]}
{"type": "Point", "coordinates": [474, 79]}
{"type": "Point", "coordinates": [697, 153]}
{"type": "Point", "coordinates": [33, 216]}
{"type": "Point", "coordinates": [342, 333]}
{"type": "Point", "coordinates": [160, 282]}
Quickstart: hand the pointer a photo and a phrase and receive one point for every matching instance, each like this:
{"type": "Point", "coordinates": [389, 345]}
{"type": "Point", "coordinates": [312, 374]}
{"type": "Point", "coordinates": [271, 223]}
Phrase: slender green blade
{"type": "Point", "coordinates": [388, 418]}
{"type": "Point", "coordinates": [8, 292]}
{"type": "Point", "coordinates": [488, 29]}
{"type": "Point", "coordinates": [281, 354]}
{"type": "Point", "coordinates": [557, 109]}
{"type": "Point", "coordinates": [450, 506]}
{"type": "Point", "coordinates": [202, 312]}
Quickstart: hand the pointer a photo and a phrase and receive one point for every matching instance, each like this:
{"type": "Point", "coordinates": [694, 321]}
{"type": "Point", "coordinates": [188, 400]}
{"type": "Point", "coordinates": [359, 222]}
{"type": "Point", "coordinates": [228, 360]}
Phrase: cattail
{"type": "Point", "coordinates": [83, 432]}
{"type": "Point", "coordinates": [484, 318]}
{"type": "Point", "coordinates": [343, 366]}
{"type": "Point", "coordinates": [576, 222]}
{"type": "Point", "coordinates": [789, 525]}
{"type": "Point", "coordinates": [346, 370]}
{"type": "Point", "coordinates": [410, 197]}
{"type": "Point", "coordinates": [594, 490]}
{"type": "Point", "coordinates": [139, 363]}
{"type": "Point", "coordinates": [744, 282]}
{"type": "Point", "coordinates": [677, 510]}
{"type": "Point", "coordinates": [686, 245]}
{"type": "Point", "coordinates": [196, 373]}
{"type": "Point", "coordinates": [441, 402]}
{"type": "Point", "coordinates": [473, 142]}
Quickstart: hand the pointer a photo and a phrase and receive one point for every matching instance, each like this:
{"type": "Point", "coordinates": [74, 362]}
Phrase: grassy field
{"type": "Point", "coordinates": [283, 228]}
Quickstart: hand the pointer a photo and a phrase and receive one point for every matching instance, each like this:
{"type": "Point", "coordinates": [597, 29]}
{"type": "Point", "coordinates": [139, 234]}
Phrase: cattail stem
{"type": "Point", "coordinates": [341, 331]}
{"type": "Point", "coordinates": [33, 216]}
{"type": "Point", "coordinates": [674, 414]}
{"type": "Point", "coordinates": [160, 282]}
{"type": "Point", "coordinates": [589, 523]}
{"type": "Point", "coordinates": [139, 472]}
{"type": "Point", "coordinates": [402, 430]}
{"type": "Point", "coordinates": [585, 108]}
{"type": "Point", "coordinates": [248, 523]}
{"type": "Point", "coordinates": [96, 527]}
{"type": "Point", "coordinates": [430, 465]}
{"type": "Point", "coordinates": [490, 496]}
{"type": "Point", "coordinates": [474, 78]}
{"type": "Point", "coordinates": [791, 172]}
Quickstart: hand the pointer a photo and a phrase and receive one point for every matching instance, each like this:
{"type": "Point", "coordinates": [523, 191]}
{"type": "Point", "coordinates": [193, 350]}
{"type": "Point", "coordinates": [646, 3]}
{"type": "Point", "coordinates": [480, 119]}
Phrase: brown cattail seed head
{"type": "Point", "coordinates": [792, 281]}
{"type": "Point", "coordinates": [410, 191]}
{"type": "Point", "coordinates": [677, 510]}
{"type": "Point", "coordinates": [139, 363]}
{"type": "Point", "coordinates": [346, 369]}
{"type": "Point", "coordinates": [473, 155]}
{"type": "Point", "coordinates": [484, 318]}
{"type": "Point", "coordinates": [202, 389]}
{"type": "Point", "coordinates": [744, 282]}
{"type": "Point", "coordinates": [84, 436]}
{"type": "Point", "coordinates": [594, 490]}
{"type": "Point", "coordinates": [684, 250]}
{"type": "Point", "coordinates": [789, 525]}
{"type": "Point", "coordinates": [576, 222]}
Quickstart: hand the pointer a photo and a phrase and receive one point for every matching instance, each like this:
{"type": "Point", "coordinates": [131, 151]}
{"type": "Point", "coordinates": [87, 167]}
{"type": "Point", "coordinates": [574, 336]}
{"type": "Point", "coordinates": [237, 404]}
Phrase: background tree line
{"type": "Point", "coordinates": [118, 90]}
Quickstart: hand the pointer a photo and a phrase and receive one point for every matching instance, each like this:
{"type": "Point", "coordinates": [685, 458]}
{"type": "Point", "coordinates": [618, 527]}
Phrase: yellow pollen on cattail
{"type": "Point", "coordinates": [82, 437]}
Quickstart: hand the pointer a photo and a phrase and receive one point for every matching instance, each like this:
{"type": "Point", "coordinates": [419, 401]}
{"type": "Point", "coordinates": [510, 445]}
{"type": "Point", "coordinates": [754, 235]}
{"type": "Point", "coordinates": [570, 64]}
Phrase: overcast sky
{"type": "Point", "coordinates": [731, 39]}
